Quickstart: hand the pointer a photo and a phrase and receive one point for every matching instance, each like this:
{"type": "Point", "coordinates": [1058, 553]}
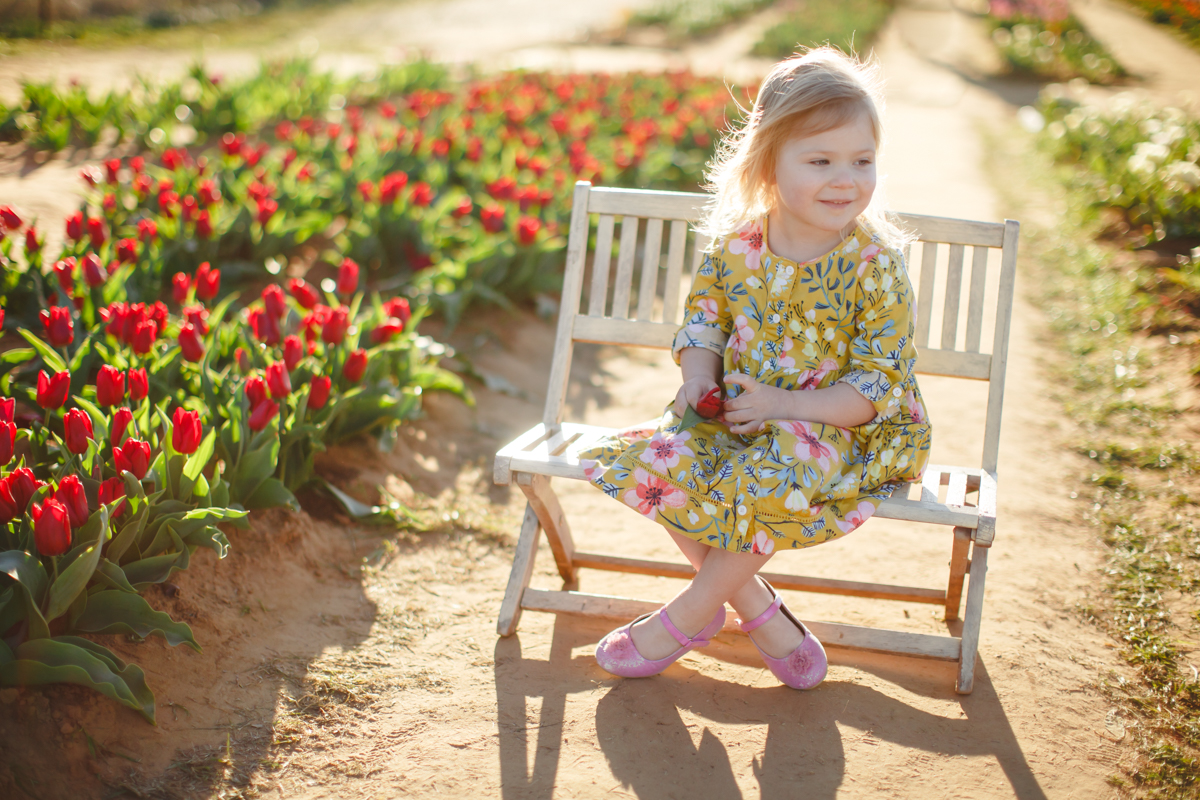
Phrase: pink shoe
{"type": "Point", "coordinates": [805, 666]}
{"type": "Point", "coordinates": [617, 654]}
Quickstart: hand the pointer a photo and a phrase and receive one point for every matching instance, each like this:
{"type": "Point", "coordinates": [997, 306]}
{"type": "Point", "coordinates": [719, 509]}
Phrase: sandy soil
{"type": "Point", "coordinates": [343, 661]}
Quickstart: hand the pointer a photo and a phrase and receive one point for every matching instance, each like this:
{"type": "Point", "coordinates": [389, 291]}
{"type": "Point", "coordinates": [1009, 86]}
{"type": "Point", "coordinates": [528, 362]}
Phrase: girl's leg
{"type": "Point", "coordinates": [721, 576]}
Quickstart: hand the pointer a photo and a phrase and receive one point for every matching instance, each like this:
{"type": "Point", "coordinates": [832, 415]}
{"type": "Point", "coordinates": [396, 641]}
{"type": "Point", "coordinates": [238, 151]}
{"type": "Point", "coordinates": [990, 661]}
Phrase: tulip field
{"type": "Point", "coordinates": [1043, 38]}
{"type": "Point", "coordinates": [245, 290]}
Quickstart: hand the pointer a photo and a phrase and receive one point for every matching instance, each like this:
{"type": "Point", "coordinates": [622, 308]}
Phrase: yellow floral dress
{"type": "Point", "coordinates": [846, 317]}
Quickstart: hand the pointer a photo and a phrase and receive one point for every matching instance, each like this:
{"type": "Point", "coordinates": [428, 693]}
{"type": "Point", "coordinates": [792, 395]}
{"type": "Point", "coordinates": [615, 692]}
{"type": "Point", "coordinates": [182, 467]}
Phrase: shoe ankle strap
{"type": "Point", "coordinates": [684, 641]}
{"type": "Point", "coordinates": [764, 616]}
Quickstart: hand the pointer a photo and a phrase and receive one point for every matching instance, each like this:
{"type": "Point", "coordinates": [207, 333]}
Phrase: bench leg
{"type": "Point", "coordinates": [958, 571]}
{"type": "Point", "coordinates": [518, 578]}
{"type": "Point", "coordinates": [974, 613]}
{"type": "Point", "coordinates": [545, 504]}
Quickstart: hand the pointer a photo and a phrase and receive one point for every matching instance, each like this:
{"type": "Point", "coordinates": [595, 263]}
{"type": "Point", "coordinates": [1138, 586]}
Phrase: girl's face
{"type": "Point", "coordinates": [824, 181]}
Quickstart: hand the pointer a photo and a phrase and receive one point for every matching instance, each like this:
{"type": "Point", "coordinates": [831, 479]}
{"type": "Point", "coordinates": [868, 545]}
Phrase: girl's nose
{"type": "Point", "coordinates": [842, 177]}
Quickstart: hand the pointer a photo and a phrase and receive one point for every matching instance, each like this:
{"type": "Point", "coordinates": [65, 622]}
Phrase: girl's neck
{"type": "Point", "coordinates": [800, 244]}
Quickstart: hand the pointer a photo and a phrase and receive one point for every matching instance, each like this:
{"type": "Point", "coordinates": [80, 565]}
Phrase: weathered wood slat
{"type": "Point", "coordinates": [607, 330]}
{"type": "Point", "coordinates": [954, 364]}
{"type": "Point", "coordinates": [956, 494]}
{"type": "Point", "coordinates": [601, 260]}
{"type": "Point", "coordinates": [952, 231]}
{"type": "Point", "coordinates": [651, 254]}
{"type": "Point", "coordinates": [831, 634]}
{"type": "Point", "coordinates": [953, 299]}
{"type": "Point", "coordinates": [518, 577]}
{"type": "Point", "coordinates": [979, 261]}
{"type": "Point", "coordinates": [1008, 277]}
{"type": "Point", "coordinates": [894, 508]}
{"type": "Point", "coordinates": [644, 203]}
{"type": "Point", "coordinates": [550, 515]}
{"type": "Point", "coordinates": [623, 282]}
{"type": "Point", "coordinates": [971, 619]}
{"type": "Point", "coordinates": [675, 254]}
{"type": "Point", "coordinates": [958, 571]}
{"type": "Point", "coordinates": [925, 292]}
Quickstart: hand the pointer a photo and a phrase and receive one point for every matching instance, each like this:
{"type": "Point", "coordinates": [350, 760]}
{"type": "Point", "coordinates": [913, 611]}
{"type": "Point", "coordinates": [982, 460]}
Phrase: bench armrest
{"type": "Point", "coordinates": [985, 532]}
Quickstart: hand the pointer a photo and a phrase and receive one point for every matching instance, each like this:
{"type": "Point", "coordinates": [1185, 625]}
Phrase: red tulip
{"type": "Point", "coordinates": [23, 486]}
{"type": "Point", "coordinates": [127, 250]}
{"type": "Point", "coordinates": [93, 271]}
{"type": "Point", "coordinates": [293, 351]}
{"type": "Point", "coordinates": [204, 226]}
{"type": "Point", "coordinates": [492, 218]}
{"type": "Point", "coordinates": [399, 308]}
{"type": "Point", "coordinates": [318, 392]}
{"type": "Point", "coordinates": [10, 218]}
{"type": "Point", "coordinates": [8, 440]}
{"type": "Point", "coordinates": [77, 430]}
{"type": "Point", "coordinates": [265, 327]}
{"type": "Point", "coordinates": [390, 186]}
{"type": "Point", "coordinates": [32, 243]}
{"type": "Point", "coordinates": [112, 490]}
{"type": "Point", "coordinates": [464, 207]}
{"type": "Point", "coordinates": [51, 527]}
{"type": "Point", "coordinates": [333, 331]}
{"type": "Point", "coordinates": [52, 389]}
{"type": "Point", "coordinates": [274, 301]}
{"type": "Point", "coordinates": [121, 419]}
{"type": "Point", "coordinates": [147, 230]}
{"type": "Point", "coordinates": [305, 294]}
{"type": "Point", "coordinates": [145, 332]}
{"type": "Point", "coordinates": [356, 365]}
{"type": "Point", "coordinates": [278, 380]}
{"type": "Point", "coordinates": [110, 386]}
{"type": "Point", "coordinates": [347, 282]}
{"type": "Point", "coordinates": [139, 385]}
{"type": "Point", "coordinates": [207, 282]}
{"type": "Point", "coordinates": [133, 456]}
{"type": "Point", "coordinates": [262, 414]}
{"type": "Point", "coordinates": [96, 232]}
{"type": "Point", "coordinates": [75, 226]}
{"type": "Point", "coordinates": [256, 390]}
{"type": "Point", "coordinates": [527, 229]}
{"type": "Point", "coordinates": [65, 272]}
{"type": "Point", "coordinates": [198, 317]}
{"type": "Point", "coordinates": [710, 405]}
{"type": "Point", "coordinates": [209, 193]}
{"type": "Point", "coordinates": [159, 313]}
{"type": "Point", "coordinates": [243, 360]}
{"type": "Point", "coordinates": [70, 494]}
{"type": "Point", "coordinates": [8, 505]}
{"type": "Point", "coordinates": [112, 167]}
{"type": "Point", "coordinates": [180, 286]}
{"type": "Point", "coordinates": [190, 343]}
{"type": "Point", "coordinates": [186, 432]}
{"type": "Point", "coordinates": [387, 330]}
{"type": "Point", "coordinates": [266, 209]}
{"type": "Point", "coordinates": [8, 406]}
{"type": "Point", "coordinates": [422, 194]}
{"type": "Point", "coordinates": [59, 327]}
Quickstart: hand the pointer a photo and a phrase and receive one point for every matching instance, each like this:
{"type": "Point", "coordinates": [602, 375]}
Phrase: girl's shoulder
{"type": "Point", "coordinates": [870, 251]}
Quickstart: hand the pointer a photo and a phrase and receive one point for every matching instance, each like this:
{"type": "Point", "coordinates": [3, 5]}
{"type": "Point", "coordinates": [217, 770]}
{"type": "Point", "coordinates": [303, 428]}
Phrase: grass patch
{"type": "Point", "coordinates": [685, 19]}
{"type": "Point", "coordinates": [850, 25]}
{"type": "Point", "coordinates": [1142, 477]}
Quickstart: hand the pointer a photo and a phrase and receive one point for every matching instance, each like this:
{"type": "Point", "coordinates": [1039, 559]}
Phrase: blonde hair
{"type": "Point", "coordinates": [807, 94]}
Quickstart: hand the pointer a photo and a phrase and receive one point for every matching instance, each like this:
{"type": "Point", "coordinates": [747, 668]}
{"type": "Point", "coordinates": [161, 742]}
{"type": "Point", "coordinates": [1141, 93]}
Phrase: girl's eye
{"type": "Point", "coordinates": [819, 161]}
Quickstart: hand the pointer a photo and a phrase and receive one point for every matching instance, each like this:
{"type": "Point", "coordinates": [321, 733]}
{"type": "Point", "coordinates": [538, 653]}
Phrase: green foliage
{"type": "Point", "coordinates": [1058, 50]}
{"type": "Point", "coordinates": [850, 26]}
{"type": "Point", "coordinates": [687, 18]}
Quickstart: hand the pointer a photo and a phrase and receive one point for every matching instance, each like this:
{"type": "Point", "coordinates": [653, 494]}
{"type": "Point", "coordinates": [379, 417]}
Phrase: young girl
{"type": "Point", "coordinates": [803, 314]}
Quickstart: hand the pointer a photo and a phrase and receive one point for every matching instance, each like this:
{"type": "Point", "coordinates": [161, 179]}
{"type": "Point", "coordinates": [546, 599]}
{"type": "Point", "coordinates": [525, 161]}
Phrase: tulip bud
{"type": "Point", "coordinates": [51, 527]}
{"type": "Point", "coordinates": [70, 493]}
{"type": "Point", "coordinates": [75, 226]}
{"type": "Point", "coordinates": [96, 232]}
{"type": "Point", "coordinates": [293, 351]}
{"type": "Point", "coordinates": [10, 219]}
{"type": "Point", "coordinates": [58, 325]}
{"type": "Point", "coordinates": [256, 390]}
{"type": "Point", "coordinates": [121, 419]}
{"type": "Point", "coordinates": [127, 250]}
{"type": "Point", "coordinates": [190, 343]}
{"type": "Point", "coordinates": [65, 272]}
{"type": "Point", "coordinates": [387, 330]}
{"type": "Point", "coordinates": [207, 282]}
{"type": "Point", "coordinates": [133, 456]}
{"type": "Point", "coordinates": [274, 301]}
{"type": "Point", "coordinates": [186, 431]}
{"type": "Point", "coordinates": [333, 331]}
{"type": "Point", "coordinates": [147, 230]}
{"type": "Point", "coordinates": [243, 360]}
{"type": "Point", "coordinates": [8, 505]}
{"type": "Point", "coordinates": [265, 326]}
{"type": "Point", "coordinates": [356, 365]}
{"type": "Point", "coordinates": [77, 431]}
{"type": "Point", "coordinates": [398, 307]}
{"type": "Point", "coordinates": [304, 294]}
{"type": "Point", "coordinates": [32, 243]}
{"type": "Point", "coordinates": [145, 333]}
{"type": "Point", "coordinates": [262, 414]}
{"type": "Point", "coordinates": [8, 407]}
{"type": "Point", "coordinates": [139, 385]}
{"type": "Point", "coordinates": [278, 380]}
{"type": "Point", "coordinates": [110, 386]}
{"type": "Point", "coordinates": [204, 226]}
{"type": "Point", "coordinates": [709, 405]}
{"type": "Point", "coordinates": [23, 486]}
{"type": "Point", "coordinates": [93, 271]}
{"type": "Point", "coordinates": [8, 441]}
{"type": "Point", "coordinates": [112, 490]}
{"type": "Point", "coordinates": [527, 230]}
{"type": "Point", "coordinates": [180, 286]}
{"type": "Point", "coordinates": [347, 282]}
{"type": "Point", "coordinates": [52, 389]}
{"type": "Point", "coordinates": [318, 393]}
{"type": "Point", "coordinates": [422, 194]}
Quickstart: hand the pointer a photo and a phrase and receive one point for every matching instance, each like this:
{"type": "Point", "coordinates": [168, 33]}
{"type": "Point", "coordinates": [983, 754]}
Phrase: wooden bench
{"type": "Point", "coordinates": [645, 311]}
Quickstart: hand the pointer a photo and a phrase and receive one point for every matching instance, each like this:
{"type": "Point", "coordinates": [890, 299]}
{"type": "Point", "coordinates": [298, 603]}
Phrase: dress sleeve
{"type": "Point", "coordinates": [882, 354]}
{"type": "Point", "coordinates": [707, 322]}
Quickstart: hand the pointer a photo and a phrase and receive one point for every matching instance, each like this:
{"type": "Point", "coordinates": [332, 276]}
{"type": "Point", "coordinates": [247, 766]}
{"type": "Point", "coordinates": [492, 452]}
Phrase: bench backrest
{"type": "Point", "coordinates": [960, 301]}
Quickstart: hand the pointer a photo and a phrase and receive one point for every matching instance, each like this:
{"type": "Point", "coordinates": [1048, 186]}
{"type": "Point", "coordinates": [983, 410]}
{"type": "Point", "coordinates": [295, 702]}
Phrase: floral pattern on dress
{"type": "Point", "coordinates": [846, 317]}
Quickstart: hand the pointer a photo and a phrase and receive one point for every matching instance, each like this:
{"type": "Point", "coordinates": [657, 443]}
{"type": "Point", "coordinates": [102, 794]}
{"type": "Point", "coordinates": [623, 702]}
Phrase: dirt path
{"type": "Point", "coordinates": [327, 676]}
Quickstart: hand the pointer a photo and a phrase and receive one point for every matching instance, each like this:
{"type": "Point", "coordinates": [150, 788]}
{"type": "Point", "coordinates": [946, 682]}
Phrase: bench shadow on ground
{"type": "Point", "coordinates": [650, 750]}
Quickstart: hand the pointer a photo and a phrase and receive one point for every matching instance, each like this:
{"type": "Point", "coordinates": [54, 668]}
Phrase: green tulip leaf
{"type": "Point", "coordinates": [155, 569]}
{"type": "Point", "coordinates": [126, 536]}
{"type": "Point", "coordinates": [6, 653]}
{"type": "Point", "coordinates": [270, 494]}
{"type": "Point", "coordinates": [114, 611]}
{"type": "Point", "coordinates": [71, 581]}
{"type": "Point", "coordinates": [99, 418]}
{"type": "Point", "coordinates": [113, 576]}
{"type": "Point", "coordinates": [52, 359]}
{"type": "Point", "coordinates": [70, 659]}
{"type": "Point", "coordinates": [27, 571]}
{"type": "Point", "coordinates": [198, 460]}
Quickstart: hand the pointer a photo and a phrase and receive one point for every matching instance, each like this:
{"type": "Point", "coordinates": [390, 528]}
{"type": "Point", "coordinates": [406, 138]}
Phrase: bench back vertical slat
{"type": "Point", "coordinates": [954, 271]}
{"type": "Point", "coordinates": [1008, 277]}
{"type": "Point", "coordinates": [560, 364]}
{"type": "Point", "coordinates": [675, 254]}
{"type": "Point", "coordinates": [601, 259]}
{"type": "Point", "coordinates": [979, 260]}
{"type": "Point", "coordinates": [623, 282]}
{"type": "Point", "coordinates": [651, 254]}
{"type": "Point", "coordinates": [925, 292]}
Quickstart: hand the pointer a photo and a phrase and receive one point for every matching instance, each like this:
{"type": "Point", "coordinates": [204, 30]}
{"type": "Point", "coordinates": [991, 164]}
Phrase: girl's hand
{"type": "Point", "coordinates": [690, 393]}
{"type": "Point", "coordinates": [749, 412]}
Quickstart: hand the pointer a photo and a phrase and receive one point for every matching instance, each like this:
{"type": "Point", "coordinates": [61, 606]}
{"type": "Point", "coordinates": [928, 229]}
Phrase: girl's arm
{"type": "Point", "coordinates": [841, 405]}
{"type": "Point", "coordinates": [701, 374]}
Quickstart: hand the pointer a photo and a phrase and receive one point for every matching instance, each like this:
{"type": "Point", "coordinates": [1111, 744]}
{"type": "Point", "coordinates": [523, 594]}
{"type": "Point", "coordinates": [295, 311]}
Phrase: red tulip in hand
{"type": "Point", "coordinates": [186, 431]}
{"type": "Point", "coordinates": [70, 494]}
{"type": "Point", "coordinates": [78, 430]}
{"type": "Point", "coordinates": [133, 456]}
{"type": "Point", "coordinates": [710, 405]}
{"type": "Point", "coordinates": [51, 527]}
{"type": "Point", "coordinates": [52, 389]}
